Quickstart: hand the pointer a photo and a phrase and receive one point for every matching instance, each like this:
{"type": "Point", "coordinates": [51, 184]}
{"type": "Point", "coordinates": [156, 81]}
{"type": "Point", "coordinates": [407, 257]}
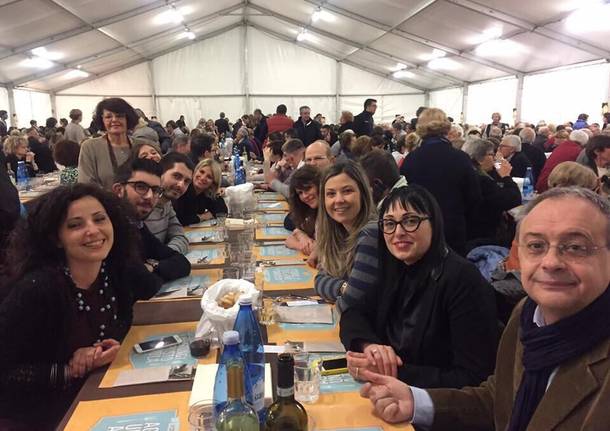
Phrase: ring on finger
{"type": "Point", "coordinates": [357, 371]}
{"type": "Point", "coordinates": [374, 351]}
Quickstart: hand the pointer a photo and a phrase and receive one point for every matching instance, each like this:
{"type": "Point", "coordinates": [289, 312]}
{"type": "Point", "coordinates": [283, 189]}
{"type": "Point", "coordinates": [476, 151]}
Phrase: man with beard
{"type": "Point", "coordinates": [177, 174]}
{"type": "Point", "coordinates": [138, 183]}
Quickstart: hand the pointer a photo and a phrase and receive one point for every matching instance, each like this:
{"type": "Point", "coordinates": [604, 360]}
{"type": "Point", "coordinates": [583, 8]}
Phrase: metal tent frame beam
{"type": "Point", "coordinates": [414, 38]}
{"type": "Point", "coordinates": [528, 27]}
{"type": "Point", "coordinates": [86, 28]}
{"type": "Point", "coordinates": [131, 45]}
{"type": "Point", "coordinates": [349, 42]}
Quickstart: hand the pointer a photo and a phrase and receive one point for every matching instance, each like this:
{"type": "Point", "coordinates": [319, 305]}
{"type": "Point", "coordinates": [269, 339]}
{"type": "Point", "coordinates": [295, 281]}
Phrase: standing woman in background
{"type": "Point", "coordinates": [100, 157]}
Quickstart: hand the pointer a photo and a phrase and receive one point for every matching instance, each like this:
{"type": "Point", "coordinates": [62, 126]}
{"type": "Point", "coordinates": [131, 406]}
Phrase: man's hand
{"type": "Point", "coordinates": [391, 398]}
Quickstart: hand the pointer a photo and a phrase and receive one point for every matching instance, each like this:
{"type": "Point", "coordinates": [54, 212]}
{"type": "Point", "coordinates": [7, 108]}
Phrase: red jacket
{"type": "Point", "coordinates": [278, 123]}
{"type": "Point", "coordinates": [568, 151]}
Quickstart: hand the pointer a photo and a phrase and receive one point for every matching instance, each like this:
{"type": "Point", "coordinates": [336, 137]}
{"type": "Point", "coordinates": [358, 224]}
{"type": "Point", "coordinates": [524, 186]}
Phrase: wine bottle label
{"type": "Point", "coordinates": [285, 392]}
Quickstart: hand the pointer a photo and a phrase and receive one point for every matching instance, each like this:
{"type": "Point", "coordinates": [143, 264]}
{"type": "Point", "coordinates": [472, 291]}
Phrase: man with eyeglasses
{"type": "Point", "coordinates": [138, 183]}
{"type": "Point", "coordinates": [177, 175]}
{"type": "Point", "coordinates": [553, 363]}
{"type": "Point", "coordinates": [318, 154]}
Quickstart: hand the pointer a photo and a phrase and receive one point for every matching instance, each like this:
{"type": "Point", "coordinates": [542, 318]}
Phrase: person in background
{"type": "Point", "coordinates": [3, 125]}
{"type": "Point", "coordinates": [16, 150]}
{"type": "Point", "coordinates": [535, 155]}
{"type": "Point", "coordinates": [567, 151]}
{"type": "Point", "coordinates": [401, 150]}
{"type": "Point", "coordinates": [430, 321]}
{"type": "Point", "coordinates": [138, 183]}
{"type": "Point", "coordinates": [9, 204]}
{"type": "Point", "coordinates": [101, 157]}
{"type": "Point", "coordinates": [307, 129]}
{"type": "Point", "coordinates": [182, 144]}
{"type": "Point", "coordinates": [63, 122]}
{"type": "Point", "coordinates": [172, 129]}
{"type": "Point", "coordinates": [222, 125]}
{"type": "Point", "coordinates": [66, 154]}
{"type": "Point", "coordinates": [499, 194]}
{"type": "Point", "coordinates": [147, 150]}
{"type": "Point", "coordinates": [363, 122]}
{"type": "Point", "coordinates": [177, 175]}
{"type": "Point", "coordinates": [572, 174]}
{"type": "Point", "coordinates": [542, 136]}
{"type": "Point", "coordinates": [445, 172]}
{"type": "Point", "coordinates": [318, 154]}
{"type": "Point", "coordinates": [202, 200]}
{"type": "Point", "coordinates": [581, 122]}
{"type": "Point", "coordinates": [50, 123]}
{"type": "Point", "coordinates": [510, 149]}
{"type": "Point", "coordinates": [328, 134]}
{"type": "Point", "coordinates": [294, 152]}
{"type": "Point", "coordinates": [382, 173]}
{"type": "Point", "coordinates": [597, 153]}
{"type": "Point", "coordinates": [495, 122]}
{"type": "Point", "coordinates": [342, 149]}
{"type": "Point", "coordinates": [361, 147]}
{"type": "Point", "coordinates": [74, 131]}
{"type": "Point", "coordinates": [304, 202]}
{"type": "Point", "coordinates": [74, 277]}
{"type": "Point", "coordinates": [180, 122]}
{"type": "Point", "coordinates": [279, 122]}
{"type": "Point", "coordinates": [346, 236]}
{"type": "Point", "coordinates": [553, 361]}
{"type": "Point", "coordinates": [163, 138]}
{"type": "Point", "coordinates": [202, 147]}
{"type": "Point", "coordinates": [40, 146]}
{"type": "Point", "coordinates": [260, 128]}
{"type": "Point", "coordinates": [346, 122]}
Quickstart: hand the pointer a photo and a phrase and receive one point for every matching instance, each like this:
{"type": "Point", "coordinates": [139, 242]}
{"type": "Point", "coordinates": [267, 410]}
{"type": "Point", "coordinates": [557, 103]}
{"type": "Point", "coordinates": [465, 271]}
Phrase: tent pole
{"type": "Point", "coordinates": [53, 98]}
{"type": "Point", "coordinates": [519, 98]}
{"type": "Point", "coordinates": [246, 88]}
{"type": "Point", "coordinates": [464, 103]}
{"type": "Point", "coordinates": [338, 83]}
{"type": "Point", "coordinates": [11, 99]}
{"type": "Point", "coordinates": [153, 89]}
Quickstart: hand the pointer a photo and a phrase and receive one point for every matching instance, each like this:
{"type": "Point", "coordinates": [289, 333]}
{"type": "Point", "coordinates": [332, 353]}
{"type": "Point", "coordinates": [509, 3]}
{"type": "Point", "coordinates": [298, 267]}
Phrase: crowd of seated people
{"type": "Point", "coordinates": [394, 217]}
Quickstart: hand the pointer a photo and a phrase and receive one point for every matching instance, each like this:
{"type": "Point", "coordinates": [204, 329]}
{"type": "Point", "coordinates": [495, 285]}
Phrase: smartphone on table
{"type": "Point", "coordinates": [333, 366]}
{"type": "Point", "coordinates": [157, 344]}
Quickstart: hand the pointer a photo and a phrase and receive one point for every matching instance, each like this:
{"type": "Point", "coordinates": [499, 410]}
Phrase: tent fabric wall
{"type": "Point", "coordinates": [87, 104]}
{"type": "Point", "coordinates": [209, 67]}
{"type": "Point", "coordinates": [499, 95]}
{"type": "Point", "coordinates": [356, 81]}
{"type": "Point", "coordinates": [4, 105]}
{"type": "Point", "coordinates": [543, 98]}
{"type": "Point", "coordinates": [387, 106]}
{"type": "Point", "coordinates": [32, 105]}
{"type": "Point", "coordinates": [449, 100]}
{"type": "Point", "coordinates": [134, 80]}
{"type": "Point", "coordinates": [194, 108]}
{"type": "Point", "coordinates": [279, 67]}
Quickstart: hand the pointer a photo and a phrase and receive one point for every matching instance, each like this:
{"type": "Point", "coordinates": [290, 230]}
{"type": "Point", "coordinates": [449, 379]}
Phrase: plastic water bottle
{"type": "Point", "coordinates": [251, 344]}
{"type": "Point", "coordinates": [231, 357]}
{"type": "Point", "coordinates": [240, 173]}
{"type": "Point", "coordinates": [23, 180]}
{"type": "Point", "coordinates": [528, 186]}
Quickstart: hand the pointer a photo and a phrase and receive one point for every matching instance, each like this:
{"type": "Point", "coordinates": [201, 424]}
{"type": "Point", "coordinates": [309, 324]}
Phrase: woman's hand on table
{"type": "Point", "coordinates": [83, 361]}
{"type": "Point", "coordinates": [357, 362]}
{"type": "Point", "coordinates": [312, 259]}
{"type": "Point", "coordinates": [391, 398]}
{"type": "Point", "coordinates": [206, 216]}
{"type": "Point", "coordinates": [109, 349]}
{"type": "Point", "coordinates": [384, 358]}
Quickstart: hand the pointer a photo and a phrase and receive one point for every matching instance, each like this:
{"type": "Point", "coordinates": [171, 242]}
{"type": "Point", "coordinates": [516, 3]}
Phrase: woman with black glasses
{"type": "Point", "coordinates": [431, 319]}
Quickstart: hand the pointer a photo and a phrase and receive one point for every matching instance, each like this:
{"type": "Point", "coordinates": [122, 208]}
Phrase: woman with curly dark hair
{"type": "Point", "coordinates": [74, 274]}
{"type": "Point", "coordinates": [100, 157]}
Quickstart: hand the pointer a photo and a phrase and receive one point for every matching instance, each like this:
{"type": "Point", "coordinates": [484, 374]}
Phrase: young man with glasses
{"type": "Point", "coordinates": [553, 366]}
{"type": "Point", "coordinates": [138, 183]}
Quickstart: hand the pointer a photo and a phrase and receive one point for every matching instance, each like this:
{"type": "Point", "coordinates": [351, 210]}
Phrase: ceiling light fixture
{"type": "Point", "coordinates": [444, 64]}
{"type": "Point", "coordinates": [37, 62]}
{"type": "Point", "coordinates": [499, 48]}
{"type": "Point", "coordinates": [42, 52]}
{"type": "Point", "coordinates": [302, 35]}
{"type": "Point", "coordinates": [399, 66]}
{"type": "Point", "coordinates": [321, 14]}
{"type": "Point", "coordinates": [76, 73]}
{"type": "Point", "coordinates": [436, 53]}
{"type": "Point", "coordinates": [403, 74]}
{"type": "Point", "coordinates": [491, 33]}
{"type": "Point", "coordinates": [187, 34]}
{"type": "Point", "coordinates": [171, 15]}
{"type": "Point", "coordinates": [316, 15]}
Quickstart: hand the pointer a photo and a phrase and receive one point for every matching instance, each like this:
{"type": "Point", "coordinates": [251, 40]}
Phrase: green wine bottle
{"type": "Point", "coordinates": [286, 413]}
{"type": "Point", "coordinates": [237, 415]}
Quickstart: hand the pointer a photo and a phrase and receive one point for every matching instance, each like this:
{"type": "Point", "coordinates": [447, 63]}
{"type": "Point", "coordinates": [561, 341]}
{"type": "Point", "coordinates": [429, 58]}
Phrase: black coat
{"type": "Point", "coordinates": [172, 265]}
{"type": "Point", "coordinates": [448, 174]}
{"type": "Point", "coordinates": [3, 129]}
{"type": "Point", "coordinates": [309, 132]}
{"type": "Point", "coordinates": [520, 163]}
{"type": "Point", "coordinates": [190, 205]}
{"type": "Point", "coordinates": [347, 126]}
{"type": "Point", "coordinates": [536, 157]}
{"type": "Point", "coordinates": [222, 125]}
{"type": "Point", "coordinates": [9, 202]}
{"type": "Point", "coordinates": [260, 131]}
{"type": "Point", "coordinates": [484, 219]}
{"type": "Point", "coordinates": [363, 124]}
{"type": "Point", "coordinates": [452, 334]}
{"type": "Point", "coordinates": [43, 156]}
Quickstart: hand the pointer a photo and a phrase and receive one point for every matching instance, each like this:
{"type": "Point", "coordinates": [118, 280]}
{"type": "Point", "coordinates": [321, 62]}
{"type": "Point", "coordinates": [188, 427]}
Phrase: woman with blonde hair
{"type": "Point", "coordinates": [202, 200]}
{"type": "Point", "coordinates": [17, 150]}
{"type": "Point", "coordinates": [445, 172]}
{"type": "Point", "coordinates": [346, 235]}
{"type": "Point", "coordinates": [568, 174]}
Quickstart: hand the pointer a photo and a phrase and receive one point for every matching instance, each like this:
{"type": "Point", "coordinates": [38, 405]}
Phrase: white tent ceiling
{"type": "Point", "coordinates": [99, 38]}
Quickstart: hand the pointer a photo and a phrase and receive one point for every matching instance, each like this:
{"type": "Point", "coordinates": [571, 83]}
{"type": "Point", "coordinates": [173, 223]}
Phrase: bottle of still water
{"type": "Point", "coordinates": [23, 180]}
{"type": "Point", "coordinates": [528, 186]}
{"type": "Point", "coordinates": [251, 345]}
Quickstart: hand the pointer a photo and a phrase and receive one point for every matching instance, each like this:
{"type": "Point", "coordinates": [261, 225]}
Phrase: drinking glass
{"type": "Point", "coordinates": [306, 378]}
{"type": "Point", "coordinates": [201, 416]}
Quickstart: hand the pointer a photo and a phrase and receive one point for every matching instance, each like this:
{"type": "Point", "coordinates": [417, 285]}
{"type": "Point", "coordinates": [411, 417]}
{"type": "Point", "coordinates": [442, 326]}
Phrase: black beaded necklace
{"type": "Point", "coordinates": [106, 292]}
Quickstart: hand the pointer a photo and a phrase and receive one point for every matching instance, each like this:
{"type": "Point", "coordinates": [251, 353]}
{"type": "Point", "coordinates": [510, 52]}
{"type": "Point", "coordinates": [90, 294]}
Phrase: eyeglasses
{"type": "Point", "coordinates": [573, 250]}
{"type": "Point", "coordinates": [409, 224]}
{"type": "Point", "coordinates": [142, 188]}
